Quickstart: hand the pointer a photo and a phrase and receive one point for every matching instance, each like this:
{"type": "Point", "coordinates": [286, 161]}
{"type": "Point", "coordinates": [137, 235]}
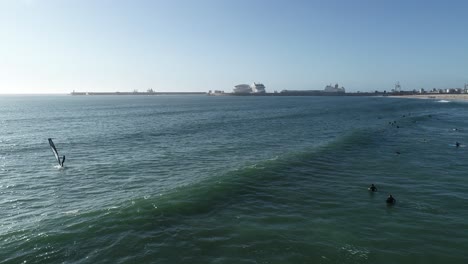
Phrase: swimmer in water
{"type": "Point", "coordinates": [457, 144]}
{"type": "Point", "coordinates": [390, 199]}
{"type": "Point", "coordinates": [372, 188]}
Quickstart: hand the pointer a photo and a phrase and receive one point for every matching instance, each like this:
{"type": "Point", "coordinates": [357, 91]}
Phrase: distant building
{"type": "Point", "coordinates": [215, 92]}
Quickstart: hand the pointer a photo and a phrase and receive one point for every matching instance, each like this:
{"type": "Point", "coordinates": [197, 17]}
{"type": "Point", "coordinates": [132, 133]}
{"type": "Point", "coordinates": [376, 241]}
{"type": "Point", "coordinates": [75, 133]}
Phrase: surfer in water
{"type": "Point", "coordinates": [390, 199]}
{"type": "Point", "coordinates": [457, 144]}
{"type": "Point", "coordinates": [372, 188]}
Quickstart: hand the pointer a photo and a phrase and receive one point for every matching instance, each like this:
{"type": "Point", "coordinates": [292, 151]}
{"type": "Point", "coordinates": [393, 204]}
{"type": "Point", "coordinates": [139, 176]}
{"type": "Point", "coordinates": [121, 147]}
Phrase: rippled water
{"type": "Point", "coordinates": [195, 179]}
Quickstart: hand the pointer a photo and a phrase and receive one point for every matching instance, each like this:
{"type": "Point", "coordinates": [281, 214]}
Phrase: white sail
{"type": "Point", "coordinates": [54, 149]}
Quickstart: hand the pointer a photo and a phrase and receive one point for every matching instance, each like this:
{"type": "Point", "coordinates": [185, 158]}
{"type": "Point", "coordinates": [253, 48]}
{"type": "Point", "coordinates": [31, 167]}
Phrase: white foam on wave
{"type": "Point", "coordinates": [274, 158]}
{"type": "Point", "coordinates": [71, 212]}
{"type": "Point", "coordinates": [459, 146]}
{"type": "Point", "coordinates": [355, 252]}
{"type": "Point", "coordinates": [443, 101]}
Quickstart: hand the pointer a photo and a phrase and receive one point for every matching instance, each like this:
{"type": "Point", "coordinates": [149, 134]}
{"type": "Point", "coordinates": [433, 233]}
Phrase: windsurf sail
{"type": "Point", "coordinates": [54, 149]}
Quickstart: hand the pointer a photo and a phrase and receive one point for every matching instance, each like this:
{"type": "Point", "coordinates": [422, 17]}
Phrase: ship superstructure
{"type": "Point", "coordinates": [255, 88]}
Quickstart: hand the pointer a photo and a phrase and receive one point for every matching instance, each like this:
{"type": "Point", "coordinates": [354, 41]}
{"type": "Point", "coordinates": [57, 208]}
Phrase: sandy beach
{"type": "Point", "coordinates": [458, 97]}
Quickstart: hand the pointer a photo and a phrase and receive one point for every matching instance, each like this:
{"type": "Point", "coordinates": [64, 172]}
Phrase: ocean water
{"type": "Point", "coordinates": [198, 179]}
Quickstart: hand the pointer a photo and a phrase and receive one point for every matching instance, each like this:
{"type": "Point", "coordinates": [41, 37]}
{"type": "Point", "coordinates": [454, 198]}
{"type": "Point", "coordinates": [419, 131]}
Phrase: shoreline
{"type": "Point", "coordinates": [458, 97]}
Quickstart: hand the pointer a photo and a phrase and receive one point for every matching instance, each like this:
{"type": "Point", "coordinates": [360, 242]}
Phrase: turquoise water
{"type": "Point", "coordinates": [195, 179]}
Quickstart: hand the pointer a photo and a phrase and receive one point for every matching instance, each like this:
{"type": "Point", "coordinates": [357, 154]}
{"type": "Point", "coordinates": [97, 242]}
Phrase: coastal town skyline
{"type": "Point", "coordinates": [180, 46]}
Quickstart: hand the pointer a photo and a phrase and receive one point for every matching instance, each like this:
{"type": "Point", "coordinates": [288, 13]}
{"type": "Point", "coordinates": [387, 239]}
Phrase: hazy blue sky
{"type": "Point", "coordinates": [56, 46]}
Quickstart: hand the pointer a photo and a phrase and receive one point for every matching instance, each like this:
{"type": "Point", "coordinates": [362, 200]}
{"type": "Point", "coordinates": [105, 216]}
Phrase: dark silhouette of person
{"type": "Point", "coordinates": [372, 188]}
{"type": "Point", "coordinates": [390, 199]}
{"type": "Point", "coordinates": [457, 144]}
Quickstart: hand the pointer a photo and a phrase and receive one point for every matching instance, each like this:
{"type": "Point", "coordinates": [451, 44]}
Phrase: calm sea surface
{"type": "Point", "coordinates": [198, 179]}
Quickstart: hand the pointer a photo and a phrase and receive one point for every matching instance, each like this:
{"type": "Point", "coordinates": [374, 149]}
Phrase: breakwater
{"type": "Point", "coordinates": [137, 93]}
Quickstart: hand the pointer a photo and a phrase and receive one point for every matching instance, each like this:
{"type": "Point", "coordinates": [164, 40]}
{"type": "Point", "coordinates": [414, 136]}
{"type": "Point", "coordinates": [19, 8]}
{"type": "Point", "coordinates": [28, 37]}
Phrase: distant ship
{"type": "Point", "coordinates": [334, 89]}
{"type": "Point", "coordinates": [329, 90]}
{"type": "Point", "coordinates": [242, 89]}
{"type": "Point", "coordinates": [256, 88]}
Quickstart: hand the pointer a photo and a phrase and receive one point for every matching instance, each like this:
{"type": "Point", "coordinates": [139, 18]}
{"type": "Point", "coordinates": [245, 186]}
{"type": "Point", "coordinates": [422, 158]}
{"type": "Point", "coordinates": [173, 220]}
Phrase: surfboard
{"type": "Point", "coordinates": [459, 146]}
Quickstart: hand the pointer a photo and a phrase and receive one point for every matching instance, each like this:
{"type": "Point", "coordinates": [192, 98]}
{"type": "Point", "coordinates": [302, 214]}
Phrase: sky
{"type": "Point", "coordinates": [57, 46]}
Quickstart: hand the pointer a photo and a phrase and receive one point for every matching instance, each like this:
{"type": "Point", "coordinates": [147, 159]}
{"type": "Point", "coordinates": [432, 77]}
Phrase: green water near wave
{"type": "Point", "coordinates": [285, 187]}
